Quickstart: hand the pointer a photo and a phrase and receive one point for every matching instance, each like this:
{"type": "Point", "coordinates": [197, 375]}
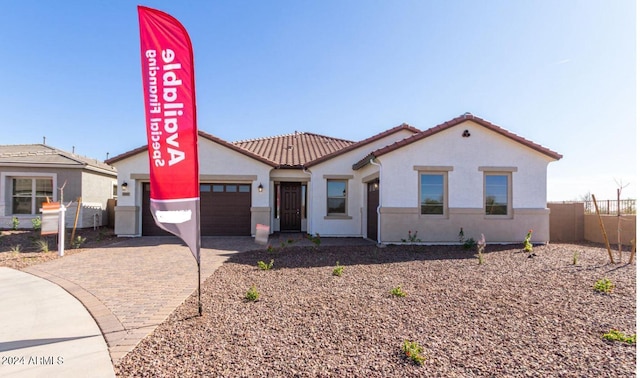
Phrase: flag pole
{"type": "Point", "coordinates": [199, 298]}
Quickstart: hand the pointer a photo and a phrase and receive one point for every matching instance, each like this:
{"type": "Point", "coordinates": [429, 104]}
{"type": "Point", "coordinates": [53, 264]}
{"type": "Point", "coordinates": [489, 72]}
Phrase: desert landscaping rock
{"type": "Point", "coordinates": [511, 316]}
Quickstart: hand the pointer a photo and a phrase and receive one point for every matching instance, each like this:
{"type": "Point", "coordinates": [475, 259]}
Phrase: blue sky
{"type": "Point", "coordinates": [561, 73]}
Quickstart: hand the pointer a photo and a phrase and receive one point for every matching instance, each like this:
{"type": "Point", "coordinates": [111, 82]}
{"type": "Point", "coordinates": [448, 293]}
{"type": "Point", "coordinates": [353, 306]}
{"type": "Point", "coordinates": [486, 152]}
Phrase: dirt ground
{"type": "Point", "coordinates": [22, 248]}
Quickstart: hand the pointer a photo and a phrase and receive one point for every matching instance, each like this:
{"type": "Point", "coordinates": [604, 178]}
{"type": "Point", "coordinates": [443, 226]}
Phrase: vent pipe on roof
{"type": "Point", "coordinates": [44, 140]}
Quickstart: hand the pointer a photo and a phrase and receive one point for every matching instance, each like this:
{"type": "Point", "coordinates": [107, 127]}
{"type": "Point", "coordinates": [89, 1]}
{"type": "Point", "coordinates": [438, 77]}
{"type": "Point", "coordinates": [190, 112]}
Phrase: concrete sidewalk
{"type": "Point", "coordinates": [46, 332]}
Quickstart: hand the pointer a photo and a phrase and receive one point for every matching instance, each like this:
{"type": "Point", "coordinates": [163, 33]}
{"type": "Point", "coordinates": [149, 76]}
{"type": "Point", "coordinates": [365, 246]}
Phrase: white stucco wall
{"type": "Point", "coordinates": [353, 224]}
{"type": "Point", "coordinates": [217, 164]}
{"type": "Point", "coordinates": [484, 148]}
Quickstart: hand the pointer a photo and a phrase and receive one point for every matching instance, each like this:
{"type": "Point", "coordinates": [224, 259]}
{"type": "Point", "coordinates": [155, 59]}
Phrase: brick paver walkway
{"type": "Point", "coordinates": [133, 285]}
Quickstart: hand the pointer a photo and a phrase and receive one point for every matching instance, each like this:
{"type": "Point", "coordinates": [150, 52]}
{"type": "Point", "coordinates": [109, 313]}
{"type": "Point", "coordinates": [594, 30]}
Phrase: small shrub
{"type": "Point", "coordinates": [264, 266]}
{"type": "Point", "coordinates": [337, 271]}
{"type": "Point", "coordinates": [469, 244]}
{"type": "Point", "coordinates": [615, 335]}
{"type": "Point", "coordinates": [15, 222]}
{"type": "Point", "coordinates": [270, 248]}
{"type": "Point", "coordinates": [252, 294]}
{"type": "Point", "coordinates": [314, 239]}
{"type": "Point", "coordinates": [77, 242]}
{"type": "Point", "coordinates": [398, 292]}
{"type": "Point", "coordinates": [575, 258]}
{"type": "Point", "coordinates": [37, 223]}
{"type": "Point", "coordinates": [42, 245]}
{"type": "Point", "coordinates": [414, 351]}
{"type": "Point", "coordinates": [461, 236]}
{"type": "Point", "coordinates": [411, 237]}
{"type": "Point", "coordinates": [16, 248]}
{"type": "Point", "coordinates": [603, 285]}
{"type": "Point", "coordinates": [528, 247]}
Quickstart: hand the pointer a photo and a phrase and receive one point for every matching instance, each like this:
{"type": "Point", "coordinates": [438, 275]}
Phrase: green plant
{"type": "Point", "coordinates": [42, 245]}
{"type": "Point", "coordinates": [16, 248]}
{"type": "Point", "coordinates": [314, 239]}
{"type": "Point", "coordinates": [270, 248]}
{"type": "Point", "coordinates": [461, 236]}
{"type": "Point", "coordinates": [603, 285]}
{"type": "Point", "coordinates": [37, 223]}
{"type": "Point", "coordinates": [337, 271]}
{"type": "Point", "coordinates": [77, 242]}
{"type": "Point", "coordinates": [414, 351]}
{"type": "Point", "coordinates": [528, 247]}
{"type": "Point", "coordinates": [469, 244]}
{"type": "Point", "coordinates": [398, 292]}
{"type": "Point", "coordinates": [15, 222]}
{"type": "Point", "coordinates": [482, 243]}
{"type": "Point", "coordinates": [252, 294]}
{"type": "Point", "coordinates": [411, 237]}
{"type": "Point", "coordinates": [615, 335]}
{"type": "Point", "coordinates": [575, 258]}
{"type": "Point", "coordinates": [264, 266]}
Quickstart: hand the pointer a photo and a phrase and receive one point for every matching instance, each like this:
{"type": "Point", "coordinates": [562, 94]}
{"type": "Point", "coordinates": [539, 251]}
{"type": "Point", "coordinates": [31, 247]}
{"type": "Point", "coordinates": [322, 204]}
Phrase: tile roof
{"type": "Point", "coordinates": [363, 142]}
{"type": "Point", "coordinates": [43, 155]}
{"type": "Point", "coordinates": [293, 150]}
{"type": "Point", "coordinates": [446, 125]}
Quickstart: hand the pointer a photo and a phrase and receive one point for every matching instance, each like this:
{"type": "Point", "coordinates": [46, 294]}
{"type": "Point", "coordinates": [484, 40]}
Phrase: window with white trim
{"type": "Point", "coordinates": [28, 194]}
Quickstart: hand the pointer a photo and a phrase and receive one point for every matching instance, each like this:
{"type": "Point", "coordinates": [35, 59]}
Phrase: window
{"type": "Point", "coordinates": [336, 197]}
{"type": "Point", "coordinates": [432, 193]}
{"type": "Point", "coordinates": [29, 194]}
{"type": "Point", "coordinates": [496, 193]}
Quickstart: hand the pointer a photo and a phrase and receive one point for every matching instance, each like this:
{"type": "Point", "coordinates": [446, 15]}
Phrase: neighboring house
{"type": "Point", "coordinates": [31, 173]}
{"type": "Point", "coordinates": [466, 173]}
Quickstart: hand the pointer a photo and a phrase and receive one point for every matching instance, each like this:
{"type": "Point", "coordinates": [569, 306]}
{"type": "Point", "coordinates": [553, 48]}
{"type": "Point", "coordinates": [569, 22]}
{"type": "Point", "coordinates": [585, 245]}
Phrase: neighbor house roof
{"type": "Point", "coordinates": [42, 155]}
{"type": "Point", "coordinates": [446, 125]}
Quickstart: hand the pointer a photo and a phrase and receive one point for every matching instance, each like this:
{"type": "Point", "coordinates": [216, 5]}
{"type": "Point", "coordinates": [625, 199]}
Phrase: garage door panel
{"type": "Point", "coordinates": [225, 210]}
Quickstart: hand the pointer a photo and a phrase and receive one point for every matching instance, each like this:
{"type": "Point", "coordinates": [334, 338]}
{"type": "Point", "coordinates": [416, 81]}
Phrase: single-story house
{"type": "Point", "coordinates": [466, 173]}
{"type": "Point", "coordinates": [31, 173]}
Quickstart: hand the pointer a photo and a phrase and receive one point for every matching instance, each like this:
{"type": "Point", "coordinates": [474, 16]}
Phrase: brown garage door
{"type": "Point", "coordinates": [225, 210]}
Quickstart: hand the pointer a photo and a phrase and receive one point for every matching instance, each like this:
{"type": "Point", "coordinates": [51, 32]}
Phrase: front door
{"type": "Point", "coordinates": [291, 203]}
{"type": "Point", "coordinates": [373, 200]}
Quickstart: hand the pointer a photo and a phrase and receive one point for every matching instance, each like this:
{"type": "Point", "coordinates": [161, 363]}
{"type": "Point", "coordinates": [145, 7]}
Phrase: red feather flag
{"type": "Point", "coordinates": [172, 135]}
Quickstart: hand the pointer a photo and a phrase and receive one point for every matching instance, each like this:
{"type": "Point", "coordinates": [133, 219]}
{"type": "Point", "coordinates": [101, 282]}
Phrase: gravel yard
{"type": "Point", "coordinates": [511, 316]}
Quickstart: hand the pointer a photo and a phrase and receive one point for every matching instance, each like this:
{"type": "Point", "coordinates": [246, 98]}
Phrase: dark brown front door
{"type": "Point", "coordinates": [290, 208]}
{"type": "Point", "coordinates": [373, 200]}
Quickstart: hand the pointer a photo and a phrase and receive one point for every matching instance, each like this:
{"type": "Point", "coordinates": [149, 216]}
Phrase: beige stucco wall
{"type": "Point", "coordinates": [593, 233]}
{"type": "Point", "coordinates": [397, 222]}
{"type": "Point", "coordinates": [566, 222]}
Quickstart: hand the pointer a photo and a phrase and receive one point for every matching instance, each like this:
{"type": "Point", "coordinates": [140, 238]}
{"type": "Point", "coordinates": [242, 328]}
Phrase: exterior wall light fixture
{"type": "Point", "coordinates": [260, 187]}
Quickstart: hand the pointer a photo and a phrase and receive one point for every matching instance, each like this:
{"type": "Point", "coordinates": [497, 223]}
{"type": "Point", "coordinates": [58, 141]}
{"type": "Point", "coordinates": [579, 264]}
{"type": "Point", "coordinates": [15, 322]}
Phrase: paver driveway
{"type": "Point", "coordinates": [133, 285]}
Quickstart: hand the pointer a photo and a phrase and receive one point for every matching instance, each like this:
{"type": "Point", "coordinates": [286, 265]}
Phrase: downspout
{"type": "Point", "coordinates": [379, 195]}
{"type": "Point", "coordinates": [309, 198]}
